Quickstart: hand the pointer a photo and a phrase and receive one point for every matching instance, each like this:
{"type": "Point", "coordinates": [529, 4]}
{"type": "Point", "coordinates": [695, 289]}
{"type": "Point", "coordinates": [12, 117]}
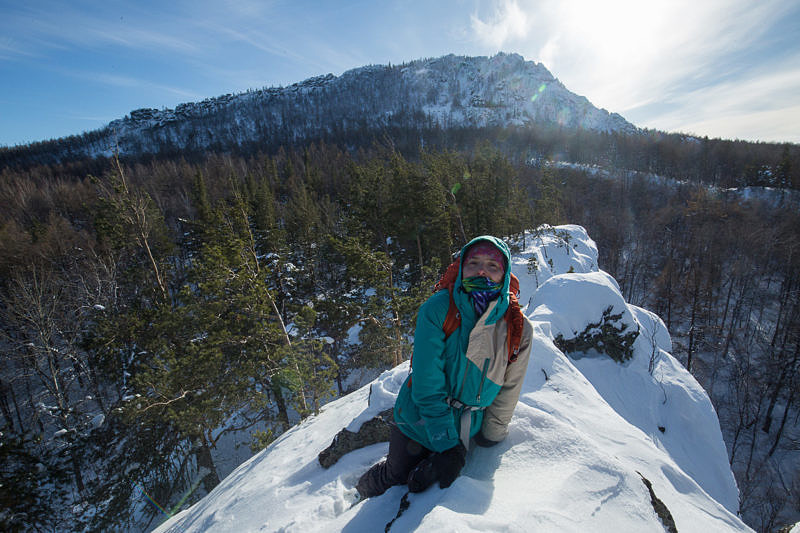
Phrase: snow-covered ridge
{"type": "Point", "coordinates": [776, 197]}
{"type": "Point", "coordinates": [450, 91]}
{"type": "Point", "coordinates": [585, 434]}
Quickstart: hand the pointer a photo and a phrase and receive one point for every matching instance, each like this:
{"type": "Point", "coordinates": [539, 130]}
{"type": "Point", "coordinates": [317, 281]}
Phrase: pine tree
{"type": "Point", "coordinates": [547, 208]}
{"type": "Point", "coordinates": [417, 211]}
{"type": "Point", "coordinates": [126, 214]}
{"type": "Point", "coordinates": [211, 360]}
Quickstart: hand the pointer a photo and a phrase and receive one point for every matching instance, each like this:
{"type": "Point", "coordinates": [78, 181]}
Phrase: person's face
{"type": "Point", "coordinates": [482, 265]}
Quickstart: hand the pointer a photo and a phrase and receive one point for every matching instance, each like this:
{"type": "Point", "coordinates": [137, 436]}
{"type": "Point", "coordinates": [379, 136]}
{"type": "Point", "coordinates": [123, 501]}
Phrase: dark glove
{"type": "Point", "coordinates": [444, 467]}
{"type": "Point", "coordinates": [449, 464]}
{"type": "Point", "coordinates": [422, 476]}
{"type": "Point", "coordinates": [480, 440]}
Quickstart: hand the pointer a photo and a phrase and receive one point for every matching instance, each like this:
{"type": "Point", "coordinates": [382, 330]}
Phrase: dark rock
{"type": "Point", "coordinates": [371, 432]}
{"type": "Point", "coordinates": [659, 507]}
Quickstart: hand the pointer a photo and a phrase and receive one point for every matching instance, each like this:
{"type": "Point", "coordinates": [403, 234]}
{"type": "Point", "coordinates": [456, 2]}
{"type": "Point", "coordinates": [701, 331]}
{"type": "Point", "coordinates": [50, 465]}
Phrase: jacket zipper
{"type": "Point", "coordinates": [483, 378]}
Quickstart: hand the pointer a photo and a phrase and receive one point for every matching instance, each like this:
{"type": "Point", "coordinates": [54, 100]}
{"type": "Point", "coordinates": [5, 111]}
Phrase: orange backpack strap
{"type": "Point", "coordinates": [448, 281]}
{"type": "Point", "coordinates": [513, 286]}
{"type": "Point", "coordinates": [515, 323]}
{"type": "Point", "coordinates": [453, 318]}
{"type": "Point", "coordinates": [514, 320]}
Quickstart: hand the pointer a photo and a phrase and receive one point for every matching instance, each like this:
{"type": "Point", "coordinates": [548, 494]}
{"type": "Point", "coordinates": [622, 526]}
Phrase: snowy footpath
{"type": "Point", "coordinates": [585, 436]}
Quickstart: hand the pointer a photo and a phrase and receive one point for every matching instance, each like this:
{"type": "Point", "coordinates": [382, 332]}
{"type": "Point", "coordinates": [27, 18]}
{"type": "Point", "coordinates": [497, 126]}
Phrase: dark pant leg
{"type": "Point", "coordinates": [404, 455]}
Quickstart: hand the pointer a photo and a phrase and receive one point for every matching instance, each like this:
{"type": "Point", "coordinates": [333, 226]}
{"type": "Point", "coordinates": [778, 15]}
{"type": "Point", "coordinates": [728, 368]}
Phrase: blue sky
{"type": "Point", "coordinates": [722, 68]}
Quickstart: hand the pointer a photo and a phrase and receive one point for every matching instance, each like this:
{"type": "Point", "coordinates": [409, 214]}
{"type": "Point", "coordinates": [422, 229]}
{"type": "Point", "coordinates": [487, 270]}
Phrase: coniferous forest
{"type": "Point", "coordinates": [153, 307]}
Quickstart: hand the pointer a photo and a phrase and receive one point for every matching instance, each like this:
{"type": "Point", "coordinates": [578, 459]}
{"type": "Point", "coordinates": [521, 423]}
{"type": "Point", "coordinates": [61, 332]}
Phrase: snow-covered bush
{"type": "Point", "coordinates": [587, 315]}
{"type": "Point", "coordinates": [607, 336]}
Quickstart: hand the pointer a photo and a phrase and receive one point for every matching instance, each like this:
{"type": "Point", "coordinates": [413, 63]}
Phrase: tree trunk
{"type": "Point", "coordinates": [138, 217]}
{"type": "Point", "coordinates": [735, 443]}
{"type": "Point", "coordinates": [289, 344]}
{"type": "Point", "coordinates": [76, 470]}
{"type": "Point", "coordinates": [773, 399]}
{"type": "Point", "coordinates": [206, 462]}
{"type": "Point", "coordinates": [283, 414]}
{"type": "Point", "coordinates": [5, 407]}
{"type": "Point", "coordinates": [16, 409]}
{"type": "Point", "coordinates": [419, 252]}
{"type": "Point", "coordinates": [786, 367]}
{"type": "Point", "coordinates": [692, 326]}
{"type": "Point", "coordinates": [339, 383]}
{"type": "Point", "coordinates": [789, 402]}
{"type": "Point", "coordinates": [36, 417]}
{"type": "Point", "coordinates": [782, 302]}
{"type": "Point", "coordinates": [727, 305]}
{"type": "Point", "coordinates": [753, 441]}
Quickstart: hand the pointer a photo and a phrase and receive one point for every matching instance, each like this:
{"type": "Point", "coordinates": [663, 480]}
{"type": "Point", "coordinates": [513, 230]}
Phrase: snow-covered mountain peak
{"type": "Point", "coordinates": [503, 90]}
{"type": "Point", "coordinates": [445, 92]}
{"type": "Point", "coordinates": [594, 445]}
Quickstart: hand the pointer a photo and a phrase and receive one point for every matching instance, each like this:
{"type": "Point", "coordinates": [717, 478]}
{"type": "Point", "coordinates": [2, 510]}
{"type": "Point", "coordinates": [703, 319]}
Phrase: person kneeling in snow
{"type": "Point", "coordinates": [462, 385]}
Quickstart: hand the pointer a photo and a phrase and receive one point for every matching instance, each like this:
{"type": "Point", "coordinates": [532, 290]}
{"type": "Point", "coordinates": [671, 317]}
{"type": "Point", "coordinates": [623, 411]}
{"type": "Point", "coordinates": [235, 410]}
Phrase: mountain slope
{"type": "Point", "coordinates": [448, 92]}
{"type": "Point", "coordinates": [585, 433]}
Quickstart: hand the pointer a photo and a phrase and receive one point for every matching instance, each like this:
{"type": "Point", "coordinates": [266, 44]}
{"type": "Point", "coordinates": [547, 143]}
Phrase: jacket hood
{"type": "Point", "coordinates": [502, 301]}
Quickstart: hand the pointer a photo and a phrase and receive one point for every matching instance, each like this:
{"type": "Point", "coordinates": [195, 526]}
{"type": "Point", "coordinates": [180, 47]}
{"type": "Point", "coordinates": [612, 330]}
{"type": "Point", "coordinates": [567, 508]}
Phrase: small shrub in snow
{"type": "Point", "coordinates": [606, 336]}
{"type": "Point", "coordinates": [533, 265]}
{"type": "Point", "coordinates": [261, 439]}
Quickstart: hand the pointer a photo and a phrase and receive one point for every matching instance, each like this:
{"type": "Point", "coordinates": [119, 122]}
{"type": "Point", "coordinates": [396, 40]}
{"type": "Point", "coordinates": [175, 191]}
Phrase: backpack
{"type": "Point", "coordinates": [513, 316]}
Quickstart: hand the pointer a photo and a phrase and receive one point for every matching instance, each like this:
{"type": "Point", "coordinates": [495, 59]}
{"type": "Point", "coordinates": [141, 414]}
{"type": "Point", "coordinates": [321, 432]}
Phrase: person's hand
{"type": "Point", "coordinates": [422, 476]}
{"type": "Point", "coordinates": [444, 467]}
{"type": "Point", "coordinates": [449, 463]}
{"type": "Point", "coordinates": [482, 441]}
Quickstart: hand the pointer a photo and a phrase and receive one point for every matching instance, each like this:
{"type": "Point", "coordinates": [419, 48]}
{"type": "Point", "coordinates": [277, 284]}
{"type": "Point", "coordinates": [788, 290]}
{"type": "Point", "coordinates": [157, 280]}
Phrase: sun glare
{"type": "Point", "coordinates": [617, 27]}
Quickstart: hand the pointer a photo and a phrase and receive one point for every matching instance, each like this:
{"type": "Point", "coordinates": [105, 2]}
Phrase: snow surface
{"type": "Point", "coordinates": [584, 432]}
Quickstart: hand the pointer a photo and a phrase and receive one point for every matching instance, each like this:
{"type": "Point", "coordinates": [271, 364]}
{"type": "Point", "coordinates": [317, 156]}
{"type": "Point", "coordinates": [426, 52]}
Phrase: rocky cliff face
{"type": "Point", "coordinates": [503, 90]}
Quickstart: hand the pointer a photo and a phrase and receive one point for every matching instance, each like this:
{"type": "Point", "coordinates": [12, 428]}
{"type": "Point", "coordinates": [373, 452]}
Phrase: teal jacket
{"type": "Point", "coordinates": [470, 366]}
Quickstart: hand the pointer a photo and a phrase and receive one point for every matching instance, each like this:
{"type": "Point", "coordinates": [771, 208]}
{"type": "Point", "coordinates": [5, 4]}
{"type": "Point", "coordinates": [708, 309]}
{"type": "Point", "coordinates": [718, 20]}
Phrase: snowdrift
{"type": "Point", "coordinates": [586, 434]}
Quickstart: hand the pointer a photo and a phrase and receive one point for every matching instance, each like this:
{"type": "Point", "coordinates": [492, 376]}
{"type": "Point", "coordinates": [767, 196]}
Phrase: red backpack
{"type": "Point", "coordinates": [513, 316]}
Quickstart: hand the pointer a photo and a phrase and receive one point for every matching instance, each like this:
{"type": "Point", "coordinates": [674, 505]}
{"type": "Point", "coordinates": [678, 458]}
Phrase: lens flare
{"type": "Point", "coordinates": [150, 499]}
{"type": "Point", "coordinates": [539, 91]}
{"type": "Point", "coordinates": [178, 505]}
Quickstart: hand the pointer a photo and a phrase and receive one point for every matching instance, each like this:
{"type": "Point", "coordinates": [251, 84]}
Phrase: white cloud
{"type": "Point", "coordinates": [760, 106]}
{"type": "Point", "coordinates": [507, 22]}
{"type": "Point", "coordinates": [773, 125]}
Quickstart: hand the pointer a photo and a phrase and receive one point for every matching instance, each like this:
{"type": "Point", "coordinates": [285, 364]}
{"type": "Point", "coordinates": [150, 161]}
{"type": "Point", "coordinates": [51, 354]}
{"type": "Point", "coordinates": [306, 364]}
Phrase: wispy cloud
{"type": "Point", "coordinates": [762, 105]}
{"type": "Point", "coordinates": [129, 81]}
{"type": "Point", "coordinates": [772, 125]}
{"type": "Point", "coordinates": [11, 50]}
{"type": "Point", "coordinates": [60, 26]}
{"type": "Point", "coordinates": [260, 40]}
{"type": "Point", "coordinates": [507, 21]}
{"type": "Point", "coordinates": [146, 39]}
